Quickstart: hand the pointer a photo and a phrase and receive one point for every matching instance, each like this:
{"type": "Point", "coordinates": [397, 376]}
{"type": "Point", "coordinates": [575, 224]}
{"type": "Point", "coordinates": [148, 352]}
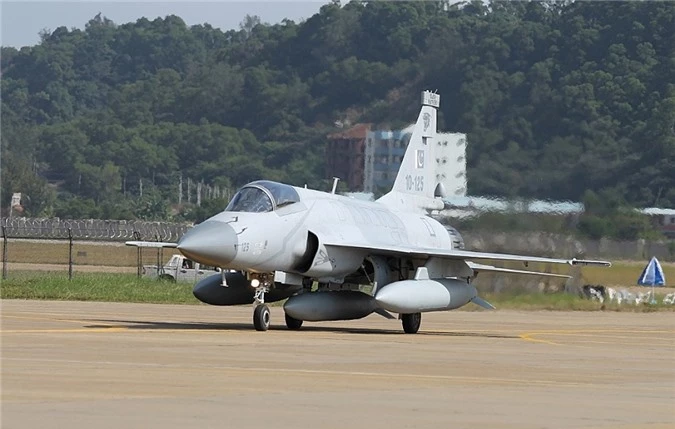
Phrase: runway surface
{"type": "Point", "coordinates": [104, 365]}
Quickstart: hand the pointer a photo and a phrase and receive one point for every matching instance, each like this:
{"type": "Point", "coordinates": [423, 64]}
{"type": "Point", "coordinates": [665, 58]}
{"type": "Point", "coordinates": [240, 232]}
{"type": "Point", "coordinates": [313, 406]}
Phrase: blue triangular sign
{"type": "Point", "coordinates": [652, 275]}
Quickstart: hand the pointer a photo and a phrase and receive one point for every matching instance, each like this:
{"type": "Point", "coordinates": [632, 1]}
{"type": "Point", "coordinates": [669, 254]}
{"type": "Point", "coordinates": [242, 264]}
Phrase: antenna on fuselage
{"type": "Point", "coordinates": [335, 182]}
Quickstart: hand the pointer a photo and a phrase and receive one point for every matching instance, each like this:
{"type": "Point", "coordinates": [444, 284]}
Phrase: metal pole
{"type": "Point", "coordinates": [158, 260]}
{"type": "Point", "coordinates": [4, 252]}
{"type": "Point", "coordinates": [70, 254]}
{"type": "Point", "coordinates": [139, 259]}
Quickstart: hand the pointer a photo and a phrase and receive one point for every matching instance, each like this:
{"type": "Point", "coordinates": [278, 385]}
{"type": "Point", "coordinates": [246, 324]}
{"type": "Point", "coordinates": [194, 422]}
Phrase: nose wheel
{"type": "Point", "coordinates": [261, 317]}
{"type": "Point", "coordinates": [261, 314]}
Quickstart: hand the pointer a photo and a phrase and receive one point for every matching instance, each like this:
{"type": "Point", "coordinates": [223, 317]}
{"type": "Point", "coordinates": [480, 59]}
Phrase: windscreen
{"type": "Point", "coordinates": [251, 200]}
{"type": "Point", "coordinates": [282, 194]}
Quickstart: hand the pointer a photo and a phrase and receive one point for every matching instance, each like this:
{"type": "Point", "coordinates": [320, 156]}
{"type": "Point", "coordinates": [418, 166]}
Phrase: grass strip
{"type": "Point", "coordinates": [129, 288]}
{"type": "Point", "coordinates": [96, 287]}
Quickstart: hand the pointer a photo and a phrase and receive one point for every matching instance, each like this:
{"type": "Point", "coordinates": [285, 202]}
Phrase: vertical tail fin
{"type": "Point", "coordinates": [415, 187]}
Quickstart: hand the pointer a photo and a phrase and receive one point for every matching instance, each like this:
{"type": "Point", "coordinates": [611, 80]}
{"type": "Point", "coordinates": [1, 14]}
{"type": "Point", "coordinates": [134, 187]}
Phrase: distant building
{"type": "Point", "coordinates": [663, 219]}
{"type": "Point", "coordinates": [345, 155]}
{"type": "Point", "coordinates": [384, 152]}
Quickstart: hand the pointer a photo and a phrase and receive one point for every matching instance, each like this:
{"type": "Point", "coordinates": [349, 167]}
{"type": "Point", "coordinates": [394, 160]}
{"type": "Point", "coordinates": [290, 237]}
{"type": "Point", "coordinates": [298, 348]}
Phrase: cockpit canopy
{"type": "Point", "coordinates": [262, 196]}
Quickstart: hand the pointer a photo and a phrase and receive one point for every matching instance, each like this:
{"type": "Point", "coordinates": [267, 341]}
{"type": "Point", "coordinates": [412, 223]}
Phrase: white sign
{"type": "Point", "coordinates": [431, 99]}
{"type": "Point", "coordinates": [16, 199]}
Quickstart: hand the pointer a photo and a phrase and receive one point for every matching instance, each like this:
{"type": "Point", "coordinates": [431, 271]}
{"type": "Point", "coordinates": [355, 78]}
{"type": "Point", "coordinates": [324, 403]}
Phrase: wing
{"type": "Point", "coordinates": [152, 244]}
{"type": "Point", "coordinates": [421, 252]}
{"type": "Point", "coordinates": [480, 268]}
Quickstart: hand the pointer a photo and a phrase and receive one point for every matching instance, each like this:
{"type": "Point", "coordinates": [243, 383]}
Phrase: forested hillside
{"type": "Point", "coordinates": [557, 99]}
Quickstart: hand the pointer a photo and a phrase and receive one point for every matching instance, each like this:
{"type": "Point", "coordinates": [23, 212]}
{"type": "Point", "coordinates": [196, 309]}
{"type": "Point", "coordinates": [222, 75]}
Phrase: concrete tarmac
{"type": "Point", "coordinates": [105, 365]}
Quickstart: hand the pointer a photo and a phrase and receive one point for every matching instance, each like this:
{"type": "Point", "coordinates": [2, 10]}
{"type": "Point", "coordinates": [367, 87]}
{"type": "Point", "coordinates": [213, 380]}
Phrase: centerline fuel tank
{"type": "Point", "coordinates": [336, 305]}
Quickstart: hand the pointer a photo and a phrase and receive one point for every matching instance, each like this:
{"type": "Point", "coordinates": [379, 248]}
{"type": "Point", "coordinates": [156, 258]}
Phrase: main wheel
{"type": "Point", "coordinates": [293, 323]}
{"type": "Point", "coordinates": [261, 318]}
{"type": "Point", "coordinates": [411, 322]}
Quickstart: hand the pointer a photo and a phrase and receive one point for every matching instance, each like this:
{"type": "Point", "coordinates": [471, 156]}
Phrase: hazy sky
{"type": "Point", "coordinates": [23, 20]}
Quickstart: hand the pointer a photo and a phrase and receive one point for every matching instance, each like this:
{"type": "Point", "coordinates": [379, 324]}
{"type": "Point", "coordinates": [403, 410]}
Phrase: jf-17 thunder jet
{"type": "Point", "coordinates": [318, 249]}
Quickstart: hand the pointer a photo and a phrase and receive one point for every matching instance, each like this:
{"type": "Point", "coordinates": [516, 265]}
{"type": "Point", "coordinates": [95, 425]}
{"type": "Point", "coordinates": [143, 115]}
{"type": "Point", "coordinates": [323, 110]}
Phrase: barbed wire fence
{"type": "Point", "coordinates": [94, 230]}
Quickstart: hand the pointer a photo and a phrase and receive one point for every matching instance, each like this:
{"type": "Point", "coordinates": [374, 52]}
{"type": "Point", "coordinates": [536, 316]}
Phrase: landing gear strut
{"type": "Point", "coordinates": [411, 322]}
{"type": "Point", "coordinates": [261, 314]}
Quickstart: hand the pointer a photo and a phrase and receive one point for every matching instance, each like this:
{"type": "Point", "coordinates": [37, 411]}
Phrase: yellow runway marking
{"type": "Point", "coordinates": [528, 337]}
{"type": "Point", "coordinates": [585, 336]}
{"type": "Point", "coordinates": [606, 331]}
{"type": "Point", "coordinates": [46, 319]}
{"type": "Point", "coordinates": [618, 337]}
{"type": "Point", "coordinates": [314, 372]}
{"type": "Point", "coordinates": [238, 370]}
{"type": "Point", "coordinates": [57, 318]}
{"type": "Point", "coordinates": [64, 331]}
{"type": "Point", "coordinates": [620, 343]}
{"type": "Point", "coordinates": [582, 334]}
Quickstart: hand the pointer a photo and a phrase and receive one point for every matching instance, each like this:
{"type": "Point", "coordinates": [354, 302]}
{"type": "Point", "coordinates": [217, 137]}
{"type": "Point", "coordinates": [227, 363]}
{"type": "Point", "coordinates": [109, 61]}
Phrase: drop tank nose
{"type": "Point", "coordinates": [210, 243]}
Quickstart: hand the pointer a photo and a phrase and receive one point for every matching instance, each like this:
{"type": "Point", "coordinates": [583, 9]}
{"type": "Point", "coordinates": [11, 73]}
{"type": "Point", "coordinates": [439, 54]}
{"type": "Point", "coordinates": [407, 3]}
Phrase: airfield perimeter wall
{"type": "Point", "coordinates": [561, 246]}
{"type": "Point", "coordinates": [532, 243]}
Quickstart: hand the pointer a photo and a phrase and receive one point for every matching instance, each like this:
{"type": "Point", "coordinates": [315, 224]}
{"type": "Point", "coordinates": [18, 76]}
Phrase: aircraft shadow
{"type": "Point", "coordinates": [159, 326]}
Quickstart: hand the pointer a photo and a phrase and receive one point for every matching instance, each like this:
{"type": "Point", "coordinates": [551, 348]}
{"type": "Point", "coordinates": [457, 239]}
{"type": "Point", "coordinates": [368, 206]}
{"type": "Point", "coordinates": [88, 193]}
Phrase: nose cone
{"type": "Point", "coordinates": [210, 243]}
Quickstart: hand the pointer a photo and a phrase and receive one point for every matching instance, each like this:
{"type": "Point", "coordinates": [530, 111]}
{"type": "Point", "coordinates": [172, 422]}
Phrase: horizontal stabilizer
{"type": "Point", "coordinates": [483, 303]}
{"type": "Point", "coordinates": [152, 244]}
{"type": "Point", "coordinates": [489, 268]}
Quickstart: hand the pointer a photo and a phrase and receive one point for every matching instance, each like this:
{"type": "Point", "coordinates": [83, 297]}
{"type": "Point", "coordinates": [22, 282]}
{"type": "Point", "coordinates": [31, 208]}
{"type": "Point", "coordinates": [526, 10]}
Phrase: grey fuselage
{"type": "Point", "coordinates": [298, 237]}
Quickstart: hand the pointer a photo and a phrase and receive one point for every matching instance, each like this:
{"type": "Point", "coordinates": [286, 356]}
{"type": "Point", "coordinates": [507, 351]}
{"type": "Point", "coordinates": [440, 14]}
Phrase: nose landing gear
{"type": "Point", "coordinates": [261, 313]}
{"type": "Point", "coordinates": [261, 317]}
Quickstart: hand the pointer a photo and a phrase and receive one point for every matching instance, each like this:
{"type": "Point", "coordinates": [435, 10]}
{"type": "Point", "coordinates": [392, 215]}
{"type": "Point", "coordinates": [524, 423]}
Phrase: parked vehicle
{"type": "Point", "coordinates": [179, 268]}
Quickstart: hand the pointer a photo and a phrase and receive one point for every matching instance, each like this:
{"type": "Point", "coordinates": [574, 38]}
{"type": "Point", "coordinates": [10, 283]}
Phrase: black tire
{"type": "Point", "coordinates": [292, 323]}
{"type": "Point", "coordinates": [261, 318]}
{"type": "Point", "coordinates": [411, 322]}
{"type": "Point", "coordinates": [167, 278]}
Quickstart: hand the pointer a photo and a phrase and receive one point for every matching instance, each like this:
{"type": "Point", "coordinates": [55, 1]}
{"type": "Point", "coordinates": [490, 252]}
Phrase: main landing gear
{"type": "Point", "coordinates": [411, 322]}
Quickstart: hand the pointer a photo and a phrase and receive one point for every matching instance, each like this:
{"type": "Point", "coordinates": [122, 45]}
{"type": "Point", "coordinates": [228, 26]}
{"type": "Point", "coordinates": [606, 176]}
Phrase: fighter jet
{"type": "Point", "coordinates": [318, 249]}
